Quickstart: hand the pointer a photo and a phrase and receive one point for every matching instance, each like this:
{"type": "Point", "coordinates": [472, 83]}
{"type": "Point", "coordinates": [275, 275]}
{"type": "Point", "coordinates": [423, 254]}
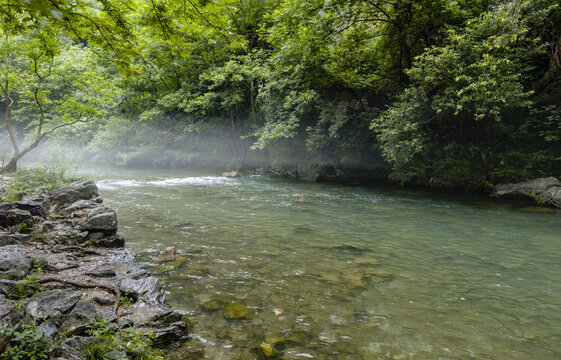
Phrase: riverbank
{"type": "Point", "coordinates": [544, 192]}
{"type": "Point", "coordinates": [68, 287]}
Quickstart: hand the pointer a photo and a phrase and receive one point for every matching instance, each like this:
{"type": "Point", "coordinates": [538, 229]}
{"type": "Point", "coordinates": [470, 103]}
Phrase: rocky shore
{"type": "Point", "coordinates": [64, 270]}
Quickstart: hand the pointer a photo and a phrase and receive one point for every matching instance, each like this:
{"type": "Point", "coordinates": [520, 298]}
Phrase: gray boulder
{"type": "Point", "coordinates": [98, 221]}
{"type": "Point", "coordinates": [79, 206]}
{"type": "Point", "coordinates": [547, 189]}
{"type": "Point", "coordinates": [524, 188]}
{"type": "Point", "coordinates": [15, 262]}
{"type": "Point", "coordinates": [52, 304]}
{"type": "Point", "coordinates": [81, 190]}
{"type": "Point", "coordinates": [146, 289]}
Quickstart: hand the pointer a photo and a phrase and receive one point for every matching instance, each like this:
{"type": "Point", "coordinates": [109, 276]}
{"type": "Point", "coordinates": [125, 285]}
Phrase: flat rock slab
{"type": "Point", "coordinates": [534, 186]}
{"type": "Point", "coordinates": [155, 315]}
{"type": "Point", "coordinates": [547, 189]}
{"type": "Point", "coordinates": [52, 304]}
{"type": "Point", "coordinates": [81, 205]}
{"type": "Point", "coordinates": [147, 289]}
{"type": "Point", "coordinates": [15, 262]}
{"type": "Point", "coordinates": [175, 332]}
{"type": "Point", "coordinates": [38, 207]}
{"type": "Point", "coordinates": [102, 272]}
{"type": "Point", "coordinates": [7, 238]}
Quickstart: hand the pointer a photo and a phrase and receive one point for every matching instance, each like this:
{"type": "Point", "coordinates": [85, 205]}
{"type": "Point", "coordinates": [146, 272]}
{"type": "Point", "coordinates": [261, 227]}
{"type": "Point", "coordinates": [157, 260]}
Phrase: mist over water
{"type": "Point", "coordinates": [345, 272]}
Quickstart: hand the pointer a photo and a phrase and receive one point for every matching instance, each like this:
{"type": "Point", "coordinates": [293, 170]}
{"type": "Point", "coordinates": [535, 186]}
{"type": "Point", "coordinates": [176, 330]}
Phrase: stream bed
{"type": "Point", "coordinates": [323, 271]}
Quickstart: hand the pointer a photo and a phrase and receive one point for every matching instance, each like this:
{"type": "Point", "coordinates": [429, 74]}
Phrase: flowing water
{"type": "Point", "coordinates": [343, 272]}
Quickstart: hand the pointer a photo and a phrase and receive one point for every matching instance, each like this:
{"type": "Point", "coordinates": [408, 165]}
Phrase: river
{"type": "Point", "coordinates": [345, 272]}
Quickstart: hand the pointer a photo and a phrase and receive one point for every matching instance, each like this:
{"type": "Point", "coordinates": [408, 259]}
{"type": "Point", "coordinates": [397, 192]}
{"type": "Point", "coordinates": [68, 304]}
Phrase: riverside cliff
{"type": "Point", "coordinates": [68, 284]}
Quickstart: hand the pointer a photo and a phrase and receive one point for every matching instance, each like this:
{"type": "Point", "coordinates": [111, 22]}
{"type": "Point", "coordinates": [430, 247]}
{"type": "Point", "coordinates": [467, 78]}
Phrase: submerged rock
{"type": "Point", "coordinates": [167, 255]}
{"type": "Point", "coordinates": [237, 311]}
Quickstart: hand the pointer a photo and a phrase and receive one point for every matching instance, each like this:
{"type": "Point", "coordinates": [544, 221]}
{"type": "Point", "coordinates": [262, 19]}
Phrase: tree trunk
{"type": "Point", "coordinates": [12, 166]}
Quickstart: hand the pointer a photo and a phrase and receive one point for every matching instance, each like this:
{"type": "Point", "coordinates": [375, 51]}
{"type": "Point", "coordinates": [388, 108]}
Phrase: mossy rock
{"type": "Point", "coordinates": [212, 305]}
{"type": "Point", "coordinates": [236, 311]}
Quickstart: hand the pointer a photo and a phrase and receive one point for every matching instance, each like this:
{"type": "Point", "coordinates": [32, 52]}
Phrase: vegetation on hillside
{"type": "Point", "coordinates": [453, 93]}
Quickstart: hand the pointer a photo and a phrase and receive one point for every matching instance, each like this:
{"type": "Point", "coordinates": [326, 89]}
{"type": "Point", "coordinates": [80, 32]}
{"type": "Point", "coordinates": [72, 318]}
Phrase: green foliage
{"type": "Point", "coordinates": [108, 338]}
{"type": "Point", "coordinates": [465, 93]}
{"type": "Point", "coordinates": [451, 121]}
{"type": "Point", "coordinates": [126, 299]}
{"type": "Point", "coordinates": [27, 343]}
{"type": "Point", "coordinates": [37, 181]}
{"type": "Point", "coordinates": [29, 282]}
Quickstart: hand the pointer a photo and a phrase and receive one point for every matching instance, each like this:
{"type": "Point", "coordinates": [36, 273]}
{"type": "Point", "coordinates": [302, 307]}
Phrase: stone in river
{"type": "Point", "coordinates": [167, 255]}
{"type": "Point", "coordinates": [330, 277]}
{"type": "Point", "coordinates": [337, 320]}
{"type": "Point", "coordinates": [366, 261]}
{"type": "Point", "coordinates": [379, 273]}
{"type": "Point", "coordinates": [212, 305]}
{"type": "Point", "coordinates": [237, 311]}
{"type": "Point", "coordinates": [352, 248]}
{"type": "Point", "coordinates": [353, 277]}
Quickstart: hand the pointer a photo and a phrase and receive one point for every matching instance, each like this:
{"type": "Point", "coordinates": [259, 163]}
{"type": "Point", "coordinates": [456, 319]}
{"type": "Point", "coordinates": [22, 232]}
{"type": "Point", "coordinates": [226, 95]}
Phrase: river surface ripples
{"type": "Point", "coordinates": [322, 271]}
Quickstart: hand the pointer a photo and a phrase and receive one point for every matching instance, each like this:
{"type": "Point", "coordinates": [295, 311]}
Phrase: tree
{"type": "Point", "coordinates": [460, 111]}
{"type": "Point", "coordinates": [40, 69]}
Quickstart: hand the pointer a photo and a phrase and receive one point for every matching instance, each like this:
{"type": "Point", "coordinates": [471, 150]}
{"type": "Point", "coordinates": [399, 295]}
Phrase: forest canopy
{"type": "Point", "coordinates": [453, 93]}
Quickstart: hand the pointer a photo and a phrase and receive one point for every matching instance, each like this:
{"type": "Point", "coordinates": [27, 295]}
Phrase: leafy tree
{"type": "Point", "coordinates": [451, 121]}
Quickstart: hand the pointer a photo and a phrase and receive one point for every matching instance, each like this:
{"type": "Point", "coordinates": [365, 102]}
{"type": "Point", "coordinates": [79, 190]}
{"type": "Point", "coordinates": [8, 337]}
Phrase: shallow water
{"type": "Point", "coordinates": [341, 272]}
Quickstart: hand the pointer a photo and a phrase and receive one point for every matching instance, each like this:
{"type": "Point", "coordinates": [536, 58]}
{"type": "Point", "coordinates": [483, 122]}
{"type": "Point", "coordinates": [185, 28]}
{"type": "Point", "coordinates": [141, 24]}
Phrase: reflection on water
{"type": "Point", "coordinates": [333, 272]}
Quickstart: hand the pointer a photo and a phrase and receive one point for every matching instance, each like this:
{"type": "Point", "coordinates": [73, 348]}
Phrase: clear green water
{"type": "Point", "coordinates": [357, 273]}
